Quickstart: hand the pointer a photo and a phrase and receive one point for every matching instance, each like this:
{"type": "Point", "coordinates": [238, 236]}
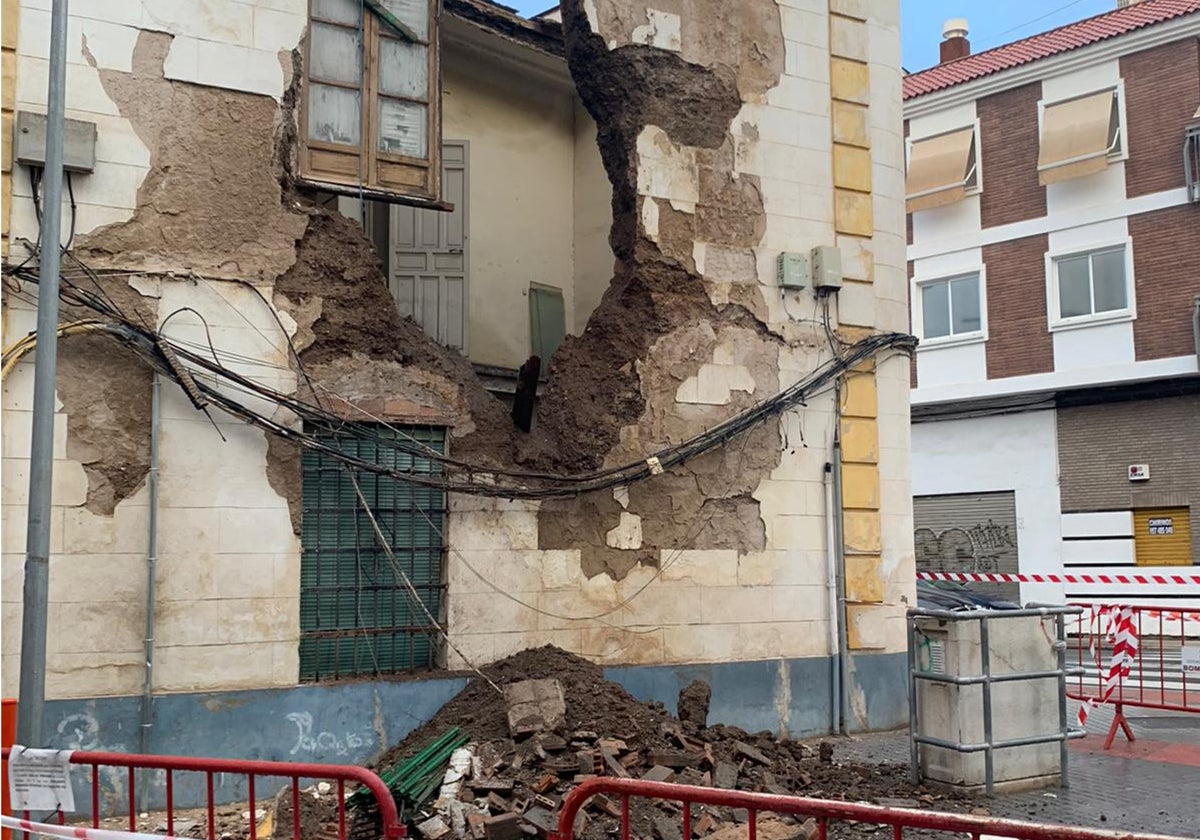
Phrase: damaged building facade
{"type": "Point", "coordinates": [352, 231]}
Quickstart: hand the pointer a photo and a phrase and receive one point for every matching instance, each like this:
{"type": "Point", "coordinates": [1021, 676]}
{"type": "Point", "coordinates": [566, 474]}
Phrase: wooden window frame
{"type": "Point", "coordinates": [366, 170]}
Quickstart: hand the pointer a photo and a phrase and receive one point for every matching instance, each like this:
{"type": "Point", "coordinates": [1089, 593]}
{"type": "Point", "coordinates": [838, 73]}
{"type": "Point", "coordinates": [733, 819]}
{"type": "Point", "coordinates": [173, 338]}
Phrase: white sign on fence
{"type": "Point", "coordinates": [40, 780]}
{"type": "Point", "coordinates": [1189, 656]}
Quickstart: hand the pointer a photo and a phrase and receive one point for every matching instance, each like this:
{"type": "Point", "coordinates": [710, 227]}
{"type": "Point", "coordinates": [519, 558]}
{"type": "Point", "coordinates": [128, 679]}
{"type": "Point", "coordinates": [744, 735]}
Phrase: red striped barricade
{"type": "Point", "coordinates": [128, 767]}
{"type": "Point", "coordinates": [1142, 656]}
{"type": "Point", "coordinates": [1128, 580]}
{"type": "Point", "coordinates": [824, 813]}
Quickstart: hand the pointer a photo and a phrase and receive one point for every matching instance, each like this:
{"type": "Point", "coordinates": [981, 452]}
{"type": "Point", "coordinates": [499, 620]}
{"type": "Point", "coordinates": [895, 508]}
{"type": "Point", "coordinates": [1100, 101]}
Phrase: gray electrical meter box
{"type": "Point", "coordinates": [826, 267]}
{"type": "Point", "coordinates": [791, 271]}
{"type": "Point", "coordinates": [79, 142]}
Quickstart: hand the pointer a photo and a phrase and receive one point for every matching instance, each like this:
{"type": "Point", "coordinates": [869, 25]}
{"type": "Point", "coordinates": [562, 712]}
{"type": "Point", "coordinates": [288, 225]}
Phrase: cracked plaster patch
{"type": "Point", "coordinates": [662, 30]}
{"type": "Point", "coordinates": [628, 533]}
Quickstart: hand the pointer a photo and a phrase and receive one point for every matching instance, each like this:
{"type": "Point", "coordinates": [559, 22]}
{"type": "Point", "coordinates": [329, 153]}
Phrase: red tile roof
{"type": "Point", "coordinates": [1061, 40]}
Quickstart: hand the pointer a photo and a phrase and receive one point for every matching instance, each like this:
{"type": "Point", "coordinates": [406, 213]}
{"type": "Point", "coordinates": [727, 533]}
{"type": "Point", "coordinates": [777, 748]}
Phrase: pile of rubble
{"type": "Point", "coordinates": [561, 723]}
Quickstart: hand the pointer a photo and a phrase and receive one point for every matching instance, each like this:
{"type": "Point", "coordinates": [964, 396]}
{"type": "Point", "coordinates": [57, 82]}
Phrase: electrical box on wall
{"type": "Point", "coordinates": [1139, 472]}
{"type": "Point", "coordinates": [791, 271]}
{"type": "Point", "coordinates": [79, 142]}
{"type": "Point", "coordinates": [827, 267]}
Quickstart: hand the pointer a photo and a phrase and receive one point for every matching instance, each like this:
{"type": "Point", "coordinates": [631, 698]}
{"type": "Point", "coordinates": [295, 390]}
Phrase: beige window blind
{"type": "Point", "coordinates": [1078, 136]}
{"type": "Point", "coordinates": [940, 169]}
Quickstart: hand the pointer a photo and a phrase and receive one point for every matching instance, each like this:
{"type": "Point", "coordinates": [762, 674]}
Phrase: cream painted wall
{"type": "Point", "coordinates": [521, 163]}
{"type": "Point", "coordinates": [593, 218]}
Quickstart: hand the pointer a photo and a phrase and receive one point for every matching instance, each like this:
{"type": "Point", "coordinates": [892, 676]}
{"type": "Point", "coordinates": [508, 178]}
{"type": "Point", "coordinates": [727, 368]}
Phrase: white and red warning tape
{"type": "Point", "coordinates": [987, 577]}
{"type": "Point", "coordinates": [75, 832]}
{"type": "Point", "coordinates": [1122, 632]}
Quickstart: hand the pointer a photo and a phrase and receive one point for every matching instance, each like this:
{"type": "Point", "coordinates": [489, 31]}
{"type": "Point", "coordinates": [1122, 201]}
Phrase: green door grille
{"type": "Point", "coordinates": [356, 615]}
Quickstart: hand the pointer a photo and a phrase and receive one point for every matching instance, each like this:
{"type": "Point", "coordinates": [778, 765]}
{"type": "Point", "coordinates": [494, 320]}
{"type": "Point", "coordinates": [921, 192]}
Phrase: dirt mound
{"type": "Point", "coordinates": [609, 732]}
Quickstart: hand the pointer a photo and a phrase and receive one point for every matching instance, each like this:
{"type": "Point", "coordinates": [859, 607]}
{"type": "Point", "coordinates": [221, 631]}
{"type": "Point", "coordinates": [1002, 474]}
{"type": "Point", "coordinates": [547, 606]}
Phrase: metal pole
{"type": "Point", "coordinates": [1064, 725]}
{"type": "Point", "coordinates": [985, 659]}
{"type": "Point", "coordinates": [835, 650]}
{"type": "Point", "coordinates": [914, 754]}
{"type": "Point", "coordinates": [41, 453]}
{"type": "Point", "coordinates": [151, 567]}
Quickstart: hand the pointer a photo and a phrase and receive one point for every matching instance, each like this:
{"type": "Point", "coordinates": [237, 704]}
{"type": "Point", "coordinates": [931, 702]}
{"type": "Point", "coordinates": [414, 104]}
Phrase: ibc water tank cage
{"type": "Point", "coordinates": [986, 679]}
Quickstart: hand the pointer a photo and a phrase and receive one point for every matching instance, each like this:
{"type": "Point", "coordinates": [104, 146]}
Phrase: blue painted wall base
{"type": "Point", "coordinates": [349, 723]}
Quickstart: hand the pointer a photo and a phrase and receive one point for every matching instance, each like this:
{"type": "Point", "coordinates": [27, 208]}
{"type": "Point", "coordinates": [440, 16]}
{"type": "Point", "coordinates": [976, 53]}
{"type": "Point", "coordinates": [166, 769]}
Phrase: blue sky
{"type": "Point", "coordinates": [992, 22]}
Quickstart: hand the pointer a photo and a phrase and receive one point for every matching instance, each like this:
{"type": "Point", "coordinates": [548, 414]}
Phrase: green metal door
{"type": "Point", "coordinates": [356, 615]}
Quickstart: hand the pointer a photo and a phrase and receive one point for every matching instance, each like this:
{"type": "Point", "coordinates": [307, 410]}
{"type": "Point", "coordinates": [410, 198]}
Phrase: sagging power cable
{"type": "Point", "coordinates": [459, 476]}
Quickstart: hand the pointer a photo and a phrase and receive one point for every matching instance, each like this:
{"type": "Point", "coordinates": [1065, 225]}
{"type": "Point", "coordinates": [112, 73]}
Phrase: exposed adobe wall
{"type": "Point", "coordinates": [1008, 134]}
{"type": "Point", "coordinates": [217, 202]}
{"type": "Point", "coordinates": [658, 324]}
{"type": "Point", "coordinates": [1162, 86]}
{"type": "Point", "coordinates": [1019, 342]}
{"type": "Point", "coordinates": [211, 202]}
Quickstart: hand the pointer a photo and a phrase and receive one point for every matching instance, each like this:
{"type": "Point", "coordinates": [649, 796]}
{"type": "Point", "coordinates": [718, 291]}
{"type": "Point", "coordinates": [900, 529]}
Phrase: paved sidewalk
{"type": "Point", "coordinates": [1152, 785]}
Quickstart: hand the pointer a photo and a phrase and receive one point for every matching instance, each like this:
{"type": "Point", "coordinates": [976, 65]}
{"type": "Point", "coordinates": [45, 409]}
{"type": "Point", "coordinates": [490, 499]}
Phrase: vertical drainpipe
{"type": "Point", "coordinates": [843, 657]}
{"type": "Point", "coordinates": [831, 577]}
{"type": "Point", "coordinates": [151, 564]}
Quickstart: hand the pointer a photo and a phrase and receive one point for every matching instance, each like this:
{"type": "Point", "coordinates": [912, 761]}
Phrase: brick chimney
{"type": "Point", "coordinates": [954, 40]}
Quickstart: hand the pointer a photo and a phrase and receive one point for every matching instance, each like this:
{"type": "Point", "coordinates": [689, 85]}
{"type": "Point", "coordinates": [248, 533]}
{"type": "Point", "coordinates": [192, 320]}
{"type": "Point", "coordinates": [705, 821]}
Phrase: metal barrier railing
{"type": "Point", "coordinates": [1164, 672]}
{"type": "Point", "coordinates": [212, 768]}
{"type": "Point", "coordinates": [986, 679]}
{"type": "Point", "coordinates": [824, 812]}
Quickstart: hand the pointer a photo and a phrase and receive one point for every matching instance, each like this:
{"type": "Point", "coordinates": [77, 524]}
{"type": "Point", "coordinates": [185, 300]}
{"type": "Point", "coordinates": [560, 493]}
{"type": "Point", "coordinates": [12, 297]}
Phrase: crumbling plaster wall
{"type": "Point", "coordinates": [730, 132]}
{"type": "Point", "coordinates": [723, 559]}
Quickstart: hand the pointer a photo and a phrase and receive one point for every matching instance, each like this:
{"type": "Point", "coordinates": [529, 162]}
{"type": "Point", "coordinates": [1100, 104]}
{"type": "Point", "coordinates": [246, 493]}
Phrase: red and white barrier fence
{"type": "Point", "coordinates": [103, 767]}
{"type": "Point", "coordinates": [997, 577]}
{"type": "Point", "coordinates": [75, 832]}
{"type": "Point", "coordinates": [1134, 656]}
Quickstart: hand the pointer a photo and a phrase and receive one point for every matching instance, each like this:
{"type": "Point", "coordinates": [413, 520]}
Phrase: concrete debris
{"type": "Point", "coordinates": [434, 828]}
{"type": "Point", "coordinates": [503, 827]}
{"type": "Point", "coordinates": [534, 706]}
{"type": "Point", "coordinates": [518, 781]}
{"type": "Point", "coordinates": [658, 773]}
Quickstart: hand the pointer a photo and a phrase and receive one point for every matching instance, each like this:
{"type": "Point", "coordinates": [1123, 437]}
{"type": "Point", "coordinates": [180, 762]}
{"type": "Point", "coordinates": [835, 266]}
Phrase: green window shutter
{"type": "Point", "coordinates": [547, 321]}
{"type": "Point", "coordinates": [356, 614]}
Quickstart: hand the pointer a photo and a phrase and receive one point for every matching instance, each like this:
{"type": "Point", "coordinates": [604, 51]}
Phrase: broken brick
{"type": "Point", "coordinates": [630, 760]}
{"type": "Point", "coordinates": [475, 826]}
{"type": "Point", "coordinates": [550, 803]}
{"type": "Point", "coordinates": [615, 745]}
{"type": "Point", "coordinates": [541, 819]}
{"type": "Point", "coordinates": [677, 760]}
{"type": "Point", "coordinates": [434, 828]}
{"type": "Point", "coordinates": [614, 766]}
{"type": "Point", "coordinates": [497, 803]}
{"type": "Point", "coordinates": [666, 828]}
{"type": "Point", "coordinates": [606, 805]}
{"type": "Point", "coordinates": [703, 825]}
{"type": "Point", "coordinates": [755, 755]}
{"type": "Point", "coordinates": [503, 827]}
{"type": "Point", "coordinates": [725, 775]}
{"type": "Point", "coordinates": [545, 783]}
{"type": "Point", "coordinates": [552, 743]}
{"type": "Point", "coordinates": [658, 773]}
{"type": "Point", "coordinates": [489, 785]}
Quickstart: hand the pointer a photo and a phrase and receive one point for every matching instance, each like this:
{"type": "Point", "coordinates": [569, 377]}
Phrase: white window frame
{"type": "Point", "coordinates": [918, 311]}
{"type": "Point", "coordinates": [1053, 309]}
{"type": "Point", "coordinates": [974, 189]}
{"type": "Point", "coordinates": [1119, 87]}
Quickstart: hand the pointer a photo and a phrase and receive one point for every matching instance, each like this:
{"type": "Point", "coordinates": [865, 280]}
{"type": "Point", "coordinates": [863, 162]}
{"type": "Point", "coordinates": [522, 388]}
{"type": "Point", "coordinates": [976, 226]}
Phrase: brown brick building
{"type": "Point", "coordinates": [1054, 262]}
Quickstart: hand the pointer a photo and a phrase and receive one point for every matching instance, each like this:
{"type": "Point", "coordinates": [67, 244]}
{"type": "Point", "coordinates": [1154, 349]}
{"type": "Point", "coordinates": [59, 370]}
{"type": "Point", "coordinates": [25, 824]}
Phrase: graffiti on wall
{"type": "Point", "coordinates": [981, 547]}
{"type": "Point", "coordinates": [327, 743]}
